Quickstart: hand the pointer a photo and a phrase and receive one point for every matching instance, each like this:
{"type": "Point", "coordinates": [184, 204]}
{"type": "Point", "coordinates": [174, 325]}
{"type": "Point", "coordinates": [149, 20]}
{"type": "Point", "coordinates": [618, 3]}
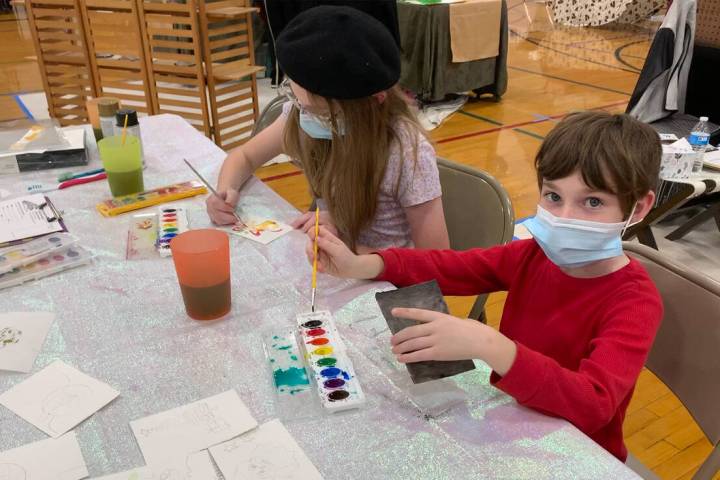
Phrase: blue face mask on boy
{"type": "Point", "coordinates": [572, 243]}
{"type": "Point", "coordinates": [315, 128]}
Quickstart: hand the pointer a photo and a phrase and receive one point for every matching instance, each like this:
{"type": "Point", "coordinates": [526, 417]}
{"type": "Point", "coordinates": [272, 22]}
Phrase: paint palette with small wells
{"type": "Point", "coordinates": [337, 384]}
{"type": "Point", "coordinates": [172, 221]}
{"type": "Point", "coordinates": [69, 257]}
{"type": "Point", "coordinates": [32, 251]}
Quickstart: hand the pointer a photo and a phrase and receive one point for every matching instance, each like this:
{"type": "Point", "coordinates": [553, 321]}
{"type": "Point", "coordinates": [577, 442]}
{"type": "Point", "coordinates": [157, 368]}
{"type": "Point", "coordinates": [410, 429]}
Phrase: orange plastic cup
{"type": "Point", "coordinates": [202, 263]}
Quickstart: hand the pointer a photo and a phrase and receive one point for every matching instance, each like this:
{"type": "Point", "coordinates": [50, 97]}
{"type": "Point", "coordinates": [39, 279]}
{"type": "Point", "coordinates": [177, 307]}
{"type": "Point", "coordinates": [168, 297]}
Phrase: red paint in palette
{"type": "Point", "coordinates": [315, 332]}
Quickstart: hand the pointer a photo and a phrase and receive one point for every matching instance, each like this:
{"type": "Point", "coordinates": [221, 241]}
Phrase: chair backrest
{"type": "Point", "coordinates": [116, 52]}
{"type": "Point", "coordinates": [478, 211]}
{"type": "Point", "coordinates": [269, 114]}
{"type": "Point", "coordinates": [60, 43]}
{"type": "Point", "coordinates": [685, 353]}
{"type": "Point", "coordinates": [173, 53]}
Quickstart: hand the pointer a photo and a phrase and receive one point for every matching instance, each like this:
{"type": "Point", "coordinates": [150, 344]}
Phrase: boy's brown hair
{"type": "Point", "coordinates": [613, 153]}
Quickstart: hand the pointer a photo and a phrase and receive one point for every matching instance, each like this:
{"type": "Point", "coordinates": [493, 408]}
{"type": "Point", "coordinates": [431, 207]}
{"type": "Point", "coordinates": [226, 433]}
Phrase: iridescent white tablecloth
{"type": "Point", "coordinates": [123, 322]}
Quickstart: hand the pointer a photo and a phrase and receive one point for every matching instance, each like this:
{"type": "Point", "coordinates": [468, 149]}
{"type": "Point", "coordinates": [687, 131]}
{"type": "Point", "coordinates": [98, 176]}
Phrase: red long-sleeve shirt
{"type": "Point", "coordinates": [581, 342]}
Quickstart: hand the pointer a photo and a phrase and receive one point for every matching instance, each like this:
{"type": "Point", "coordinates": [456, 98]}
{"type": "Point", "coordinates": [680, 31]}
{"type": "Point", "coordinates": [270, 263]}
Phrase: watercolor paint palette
{"type": "Point", "coordinates": [136, 201]}
{"type": "Point", "coordinates": [34, 250]}
{"type": "Point", "coordinates": [172, 221]}
{"type": "Point", "coordinates": [59, 261]}
{"type": "Point", "coordinates": [334, 374]}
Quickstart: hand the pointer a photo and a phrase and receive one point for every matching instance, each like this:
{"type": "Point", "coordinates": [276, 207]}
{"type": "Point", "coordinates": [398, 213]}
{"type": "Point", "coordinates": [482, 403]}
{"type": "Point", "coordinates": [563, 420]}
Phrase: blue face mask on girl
{"type": "Point", "coordinates": [314, 127]}
{"type": "Point", "coordinates": [572, 243]}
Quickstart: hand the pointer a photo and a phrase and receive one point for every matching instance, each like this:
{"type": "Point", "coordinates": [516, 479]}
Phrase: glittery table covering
{"type": "Point", "coordinates": [123, 322]}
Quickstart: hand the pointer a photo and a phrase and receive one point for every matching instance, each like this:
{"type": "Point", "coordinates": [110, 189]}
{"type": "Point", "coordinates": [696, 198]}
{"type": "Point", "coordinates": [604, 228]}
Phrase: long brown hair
{"type": "Point", "coordinates": [347, 172]}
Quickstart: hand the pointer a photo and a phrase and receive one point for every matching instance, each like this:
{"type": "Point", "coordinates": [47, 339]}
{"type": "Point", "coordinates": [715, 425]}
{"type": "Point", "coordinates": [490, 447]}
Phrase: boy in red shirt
{"type": "Point", "coordinates": [580, 316]}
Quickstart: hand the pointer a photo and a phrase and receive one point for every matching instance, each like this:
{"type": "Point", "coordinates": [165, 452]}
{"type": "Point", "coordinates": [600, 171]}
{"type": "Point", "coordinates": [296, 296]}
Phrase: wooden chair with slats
{"type": "Point", "coordinates": [226, 27]}
{"type": "Point", "coordinates": [58, 33]}
{"type": "Point", "coordinates": [173, 55]}
{"type": "Point", "coordinates": [116, 51]}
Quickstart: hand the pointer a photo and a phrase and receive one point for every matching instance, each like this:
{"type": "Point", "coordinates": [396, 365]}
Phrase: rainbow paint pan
{"type": "Point", "coordinates": [334, 374]}
{"type": "Point", "coordinates": [55, 262]}
{"type": "Point", "coordinates": [32, 251]}
{"type": "Point", "coordinates": [172, 221]}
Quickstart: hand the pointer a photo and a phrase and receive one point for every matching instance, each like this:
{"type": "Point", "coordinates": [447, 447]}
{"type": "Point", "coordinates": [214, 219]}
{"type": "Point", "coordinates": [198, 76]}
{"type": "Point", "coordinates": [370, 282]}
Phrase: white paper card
{"type": "Point", "coordinates": [196, 466]}
{"type": "Point", "coordinates": [50, 459]}
{"type": "Point", "coordinates": [263, 231]}
{"type": "Point", "coordinates": [192, 427]}
{"type": "Point", "coordinates": [269, 452]}
{"type": "Point", "coordinates": [57, 398]}
{"type": "Point", "coordinates": [22, 335]}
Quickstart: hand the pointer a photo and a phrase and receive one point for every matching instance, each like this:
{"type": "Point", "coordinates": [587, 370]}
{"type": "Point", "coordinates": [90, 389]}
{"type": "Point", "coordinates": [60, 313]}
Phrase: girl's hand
{"type": "Point", "coordinates": [443, 337]}
{"type": "Point", "coordinates": [306, 223]}
{"type": "Point", "coordinates": [335, 258]}
{"type": "Point", "coordinates": [222, 210]}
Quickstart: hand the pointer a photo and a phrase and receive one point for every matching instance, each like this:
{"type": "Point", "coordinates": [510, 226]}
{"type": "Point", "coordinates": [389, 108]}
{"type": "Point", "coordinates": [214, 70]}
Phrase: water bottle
{"type": "Point", "coordinates": [699, 138]}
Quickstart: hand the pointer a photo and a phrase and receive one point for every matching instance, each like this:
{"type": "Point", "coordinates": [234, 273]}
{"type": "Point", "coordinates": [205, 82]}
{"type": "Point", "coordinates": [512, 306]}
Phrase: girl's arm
{"type": "Point", "coordinates": [427, 225]}
{"type": "Point", "coordinates": [239, 165]}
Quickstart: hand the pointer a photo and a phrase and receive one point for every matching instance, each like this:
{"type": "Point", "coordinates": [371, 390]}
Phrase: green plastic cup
{"type": "Point", "coordinates": [123, 164]}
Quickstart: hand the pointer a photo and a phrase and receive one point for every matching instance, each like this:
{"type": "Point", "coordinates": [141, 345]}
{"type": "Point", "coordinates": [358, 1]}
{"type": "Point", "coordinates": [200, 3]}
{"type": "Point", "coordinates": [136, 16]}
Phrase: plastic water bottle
{"type": "Point", "coordinates": [699, 138]}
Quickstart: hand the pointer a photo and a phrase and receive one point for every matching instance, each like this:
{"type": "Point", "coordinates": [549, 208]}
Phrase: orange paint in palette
{"type": "Point", "coordinates": [173, 221]}
{"type": "Point", "coordinates": [64, 259]}
{"type": "Point", "coordinates": [337, 385]}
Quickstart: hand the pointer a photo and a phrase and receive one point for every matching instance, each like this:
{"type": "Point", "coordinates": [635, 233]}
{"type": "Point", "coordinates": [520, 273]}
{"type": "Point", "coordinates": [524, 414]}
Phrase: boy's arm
{"type": "Point", "coordinates": [468, 272]}
{"type": "Point", "coordinates": [590, 395]}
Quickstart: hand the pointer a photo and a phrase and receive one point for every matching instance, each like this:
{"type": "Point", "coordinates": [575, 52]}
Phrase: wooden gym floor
{"type": "Point", "coordinates": [552, 71]}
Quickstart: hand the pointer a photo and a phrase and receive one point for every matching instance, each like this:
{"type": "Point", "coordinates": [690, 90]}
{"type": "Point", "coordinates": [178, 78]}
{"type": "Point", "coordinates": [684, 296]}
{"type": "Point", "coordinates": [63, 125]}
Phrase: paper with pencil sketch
{"type": "Point", "coordinates": [50, 459]}
{"type": "Point", "coordinates": [22, 335]}
{"type": "Point", "coordinates": [190, 428]}
{"type": "Point", "coordinates": [261, 230]}
{"type": "Point", "coordinates": [268, 452]}
{"type": "Point", "coordinates": [57, 398]}
{"type": "Point", "coordinates": [196, 466]}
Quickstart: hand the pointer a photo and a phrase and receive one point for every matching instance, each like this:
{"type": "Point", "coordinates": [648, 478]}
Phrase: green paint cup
{"type": "Point", "coordinates": [123, 164]}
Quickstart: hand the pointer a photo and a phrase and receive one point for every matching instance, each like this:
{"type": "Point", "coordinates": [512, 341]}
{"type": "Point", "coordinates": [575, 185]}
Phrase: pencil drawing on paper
{"type": "Point", "coordinates": [200, 415]}
{"type": "Point", "coordinates": [9, 336]}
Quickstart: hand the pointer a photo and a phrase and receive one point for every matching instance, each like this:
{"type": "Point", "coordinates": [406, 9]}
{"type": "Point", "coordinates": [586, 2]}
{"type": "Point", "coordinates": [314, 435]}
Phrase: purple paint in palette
{"type": "Point", "coordinates": [337, 384]}
{"type": "Point", "coordinates": [172, 222]}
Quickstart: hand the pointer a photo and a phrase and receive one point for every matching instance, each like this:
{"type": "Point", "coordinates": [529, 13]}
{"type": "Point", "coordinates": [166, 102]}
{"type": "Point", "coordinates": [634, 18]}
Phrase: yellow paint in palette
{"type": "Point", "coordinates": [322, 351]}
{"type": "Point", "coordinates": [118, 205]}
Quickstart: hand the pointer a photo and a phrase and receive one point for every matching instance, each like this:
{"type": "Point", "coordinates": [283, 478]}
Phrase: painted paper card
{"type": "Point", "coordinates": [192, 427]}
{"type": "Point", "coordinates": [197, 466]}
{"type": "Point", "coordinates": [50, 459]}
{"type": "Point", "coordinates": [262, 231]}
{"type": "Point", "coordinates": [22, 335]}
{"type": "Point", "coordinates": [57, 398]}
{"type": "Point", "coordinates": [267, 453]}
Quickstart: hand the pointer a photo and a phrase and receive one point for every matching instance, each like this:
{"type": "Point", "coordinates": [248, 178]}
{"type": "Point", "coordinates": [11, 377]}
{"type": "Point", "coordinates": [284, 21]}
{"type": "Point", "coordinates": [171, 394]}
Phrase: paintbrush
{"type": "Point", "coordinates": [315, 257]}
{"type": "Point", "coordinates": [214, 192]}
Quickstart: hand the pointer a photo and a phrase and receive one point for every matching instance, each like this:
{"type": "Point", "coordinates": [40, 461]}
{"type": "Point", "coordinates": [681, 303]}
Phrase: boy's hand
{"type": "Point", "coordinates": [335, 258]}
{"type": "Point", "coordinates": [306, 223]}
{"type": "Point", "coordinates": [222, 210]}
{"type": "Point", "coordinates": [444, 337]}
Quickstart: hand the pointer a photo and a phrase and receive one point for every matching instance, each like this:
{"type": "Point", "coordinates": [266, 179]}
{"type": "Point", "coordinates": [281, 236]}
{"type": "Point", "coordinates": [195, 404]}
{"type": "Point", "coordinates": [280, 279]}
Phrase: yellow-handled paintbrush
{"type": "Point", "coordinates": [315, 258]}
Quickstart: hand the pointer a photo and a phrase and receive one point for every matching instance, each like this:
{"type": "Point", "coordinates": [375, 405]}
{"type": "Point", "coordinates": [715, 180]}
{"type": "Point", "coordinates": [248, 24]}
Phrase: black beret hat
{"type": "Point", "coordinates": [338, 52]}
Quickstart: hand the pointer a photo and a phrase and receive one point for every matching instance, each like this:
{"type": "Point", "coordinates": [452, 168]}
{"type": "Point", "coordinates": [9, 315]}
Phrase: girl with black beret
{"type": "Point", "coordinates": [350, 128]}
